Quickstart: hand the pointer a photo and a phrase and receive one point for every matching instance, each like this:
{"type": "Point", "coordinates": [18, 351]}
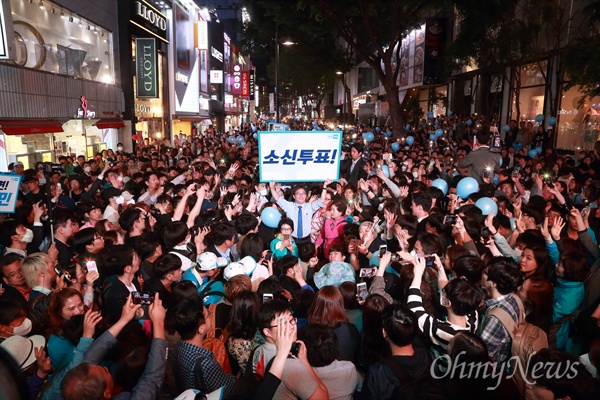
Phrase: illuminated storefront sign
{"type": "Point", "coordinates": [146, 68]}
{"type": "Point", "coordinates": [148, 18]}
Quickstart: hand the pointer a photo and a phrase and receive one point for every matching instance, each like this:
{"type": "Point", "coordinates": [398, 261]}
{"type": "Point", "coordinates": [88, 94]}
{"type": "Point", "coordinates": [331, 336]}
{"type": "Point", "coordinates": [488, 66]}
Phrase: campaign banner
{"type": "Point", "coordinates": [9, 189]}
{"type": "Point", "coordinates": [299, 156]}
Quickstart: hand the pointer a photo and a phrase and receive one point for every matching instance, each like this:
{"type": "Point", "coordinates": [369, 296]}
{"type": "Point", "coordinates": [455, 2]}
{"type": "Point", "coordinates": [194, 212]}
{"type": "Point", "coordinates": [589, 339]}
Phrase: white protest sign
{"type": "Point", "coordinates": [9, 190]}
{"type": "Point", "coordinates": [299, 156]}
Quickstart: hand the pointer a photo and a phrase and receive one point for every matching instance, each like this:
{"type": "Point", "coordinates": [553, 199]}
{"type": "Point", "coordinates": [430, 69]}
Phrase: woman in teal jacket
{"type": "Point", "coordinates": [571, 271]}
{"type": "Point", "coordinates": [284, 244]}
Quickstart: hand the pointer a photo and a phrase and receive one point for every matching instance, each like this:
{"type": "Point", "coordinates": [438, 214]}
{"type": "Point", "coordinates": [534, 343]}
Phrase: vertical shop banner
{"type": "Point", "coordinates": [435, 40]}
{"type": "Point", "coordinates": [299, 156]}
{"type": "Point", "coordinates": [216, 59]}
{"type": "Point", "coordinates": [146, 68]}
{"type": "Point", "coordinates": [5, 26]}
{"type": "Point", "coordinates": [251, 83]}
{"type": "Point", "coordinates": [245, 84]}
{"type": "Point", "coordinates": [9, 189]}
{"type": "Point", "coordinates": [236, 79]}
{"type": "Point", "coordinates": [186, 82]}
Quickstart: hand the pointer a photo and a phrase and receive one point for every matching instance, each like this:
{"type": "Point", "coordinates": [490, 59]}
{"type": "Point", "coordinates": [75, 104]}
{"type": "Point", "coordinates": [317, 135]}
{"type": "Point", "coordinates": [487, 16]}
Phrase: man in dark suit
{"type": "Point", "coordinates": [481, 159]}
{"type": "Point", "coordinates": [353, 168]}
{"type": "Point", "coordinates": [421, 204]}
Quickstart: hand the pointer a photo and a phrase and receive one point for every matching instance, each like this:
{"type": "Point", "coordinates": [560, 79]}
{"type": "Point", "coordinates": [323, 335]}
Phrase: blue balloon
{"type": "Point", "coordinates": [539, 118]}
{"type": "Point", "coordinates": [538, 150]}
{"type": "Point", "coordinates": [388, 134]}
{"type": "Point", "coordinates": [240, 139]}
{"type": "Point", "coordinates": [286, 127]}
{"type": "Point", "coordinates": [270, 216]}
{"type": "Point", "coordinates": [407, 127]}
{"type": "Point", "coordinates": [439, 132]}
{"type": "Point", "coordinates": [469, 122]}
{"type": "Point", "coordinates": [231, 139]}
{"type": "Point", "coordinates": [487, 205]}
{"type": "Point", "coordinates": [386, 170]}
{"type": "Point", "coordinates": [242, 144]}
{"type": "Point", "coordinates": [432, 136]}
{"type": "Point", "coordinates": [551, 121]}
{"type": "Point", "coordinates": [440, 184]}
{"type": "Point", "coordinates": [466, 187]}
{"type": "Point", "coordinates": [254, 129]}
{"type": "Point", "coordinates": [395, 146]}
{"type": "Point", "coordinates": [378, 129]}
{"type": "Point", "coordinates": [255, 135]}
{"type": "Point", "coordinates": [450, 113]}
{"type": "Point", "coordinates": [518, 146]}
{"type": "Point", "coordinates": [410, 140]}
{"type": "Point", "coordinates": [506, 128]}
{"type": "Point", "coordinates": [430, 114]}
{"type": "Point", "coordinates": [369, 136]}
{"type": "Point", "coordinates": [532, 153]}
{"type": "Point", "coordinates": [500, 162]}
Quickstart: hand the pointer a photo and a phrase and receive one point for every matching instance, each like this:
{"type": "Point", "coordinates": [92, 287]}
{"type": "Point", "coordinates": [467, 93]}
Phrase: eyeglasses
{"type": "Point", "coordinates": [292, 321]}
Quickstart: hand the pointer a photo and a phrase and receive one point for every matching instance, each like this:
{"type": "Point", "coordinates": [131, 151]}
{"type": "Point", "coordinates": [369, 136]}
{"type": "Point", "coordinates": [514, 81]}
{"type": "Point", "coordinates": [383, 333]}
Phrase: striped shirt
{"type": "Point", "coordinates": [440, 331]}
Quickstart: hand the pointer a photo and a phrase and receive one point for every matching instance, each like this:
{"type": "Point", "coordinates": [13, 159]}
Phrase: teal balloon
{"type": "Point", "coordinates": [487, 205]}
{"type": "Point", "coordinates": [469, 122]}
{"type": "Point", "coordinates": [539, 118]}
{"type": "Point", "coordinates": [410, 140]}
{"type": "Point", "coordinates": [255, 135]}
{"type": "Point", "coordinates": [378, 129]}
{"type": "Point", "coordinates": [538, 150]}
{"type": "Point", "coordinates": [270, 216]}
{"type": "Point", "coordinates": [254, 129]}
{"type": "Point", "coordinates": [395, 146]}
{"type": "Point", "coordinates": [407, 127]}
{"type": "Point", "coordinates": [506, 128]}
{"type": "Point", "coordinates": [432, 136]}
{"type": "Point", "coordinates": [439, 132]}
{"type": "Point", "coordinates": [532, 153]}
{"type": "Point", "coordinates": [466, 187]}
{"type": "Point", "coordinates": [551, 121]}
{"type": "Point", "coordinates": [369, 136]}
{"type": "Point", "coordinates": [440, 184]}
{"type": "Point", "coordinates": [386, 170]}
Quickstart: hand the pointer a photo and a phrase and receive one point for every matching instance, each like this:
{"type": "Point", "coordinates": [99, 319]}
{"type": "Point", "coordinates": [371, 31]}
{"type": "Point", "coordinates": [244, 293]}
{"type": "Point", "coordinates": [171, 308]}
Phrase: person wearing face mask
{"type": "Point", "coordinates": [16, 237]}
{"type": "Point", "coordinates": [13, 319]}
{"type": "Point", "coordinates": [111, 212]}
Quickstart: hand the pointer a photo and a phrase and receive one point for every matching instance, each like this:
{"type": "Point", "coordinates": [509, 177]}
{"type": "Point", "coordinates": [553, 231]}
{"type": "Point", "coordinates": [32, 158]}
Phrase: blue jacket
{"type": "Point", "coordinates": [568, 297]}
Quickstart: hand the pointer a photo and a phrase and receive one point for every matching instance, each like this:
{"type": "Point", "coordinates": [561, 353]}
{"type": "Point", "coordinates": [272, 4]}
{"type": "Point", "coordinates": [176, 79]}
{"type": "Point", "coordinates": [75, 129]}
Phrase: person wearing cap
{"type": "Point", "coordinates": [299, 211]}
{"type": "Point", "coordinates": [205, 276]}
{"type": "Point", "coordinates": [18, 168]}
{"type": "Point", "coordinates": [26, 351]}
{"type": "Point", "coordinates": [90, 212]}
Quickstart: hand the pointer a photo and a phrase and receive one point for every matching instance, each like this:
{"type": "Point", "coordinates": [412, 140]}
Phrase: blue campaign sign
{"type": "Point", "coordinates": [9, 190]}
{"type": "Point", "coordinates": [299, 156]}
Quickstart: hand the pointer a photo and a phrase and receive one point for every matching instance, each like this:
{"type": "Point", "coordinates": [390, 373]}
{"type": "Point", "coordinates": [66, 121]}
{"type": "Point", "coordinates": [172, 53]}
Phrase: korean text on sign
{"type": "Point", "coordinates": [9, 189]}
{"type": "Point", "coordinates": [301, 156]}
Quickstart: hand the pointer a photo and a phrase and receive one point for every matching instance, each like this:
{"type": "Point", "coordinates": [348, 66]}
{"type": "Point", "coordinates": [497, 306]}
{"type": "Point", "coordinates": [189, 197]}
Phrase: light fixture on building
{"type": "Point", "coordinates": [89, 27]}
{"type": "Point", "coordinates": [30, 1]}
{"type": "Point", "coordinates": [71, 18]}
{"type": "Point", "coordinates": [62, 15]}
{"type": "Point", "coordinates": [53, 10]}
{"type": "Point", "coordinates": [41, 3]}
{"type": "Point", "coordinates": [80, 22]}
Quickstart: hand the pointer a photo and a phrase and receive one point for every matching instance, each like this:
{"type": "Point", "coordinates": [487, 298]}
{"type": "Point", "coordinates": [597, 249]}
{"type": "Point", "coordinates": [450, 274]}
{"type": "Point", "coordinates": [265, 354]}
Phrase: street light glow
{"type": "Point", "coordinates": [287, 43]}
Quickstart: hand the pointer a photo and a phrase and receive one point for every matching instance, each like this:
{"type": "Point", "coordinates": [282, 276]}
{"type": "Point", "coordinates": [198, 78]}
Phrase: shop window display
{"type": "Point", "coordinates": [50, 38]}
{"type": "Point", "coordinates": [578, 122]}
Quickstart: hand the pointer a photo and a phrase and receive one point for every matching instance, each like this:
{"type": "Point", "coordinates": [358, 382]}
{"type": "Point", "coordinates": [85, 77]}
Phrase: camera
{"type": "Point", "coordinates": [429, 260]}
{"type": "Point", "coordinates": [60, 271]}
{"type": "Point", "coordinates": [395, 257]}
{"type": "Point", "coordinates": [295, 349]}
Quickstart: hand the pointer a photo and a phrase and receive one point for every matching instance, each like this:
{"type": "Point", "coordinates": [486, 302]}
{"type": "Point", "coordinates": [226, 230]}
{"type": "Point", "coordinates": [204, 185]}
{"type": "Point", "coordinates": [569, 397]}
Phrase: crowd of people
{"type": "Point", "coordinates": [152, 274]}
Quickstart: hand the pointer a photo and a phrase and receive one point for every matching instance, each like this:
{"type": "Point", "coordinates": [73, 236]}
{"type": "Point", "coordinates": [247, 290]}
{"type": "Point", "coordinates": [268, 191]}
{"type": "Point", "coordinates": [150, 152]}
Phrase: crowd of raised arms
{"type": "Point", "coordinates": [432, 267]}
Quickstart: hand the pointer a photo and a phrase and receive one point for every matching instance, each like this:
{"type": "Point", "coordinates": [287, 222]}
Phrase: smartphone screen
{"type": "Point", "coordinates": [361, 291]}
{"type": "Point", "coordinates": [382, 250]}
{"type": "Point", "coordinates": [267, 297]}
{"type": "Point", "coordinates": [91, 266]}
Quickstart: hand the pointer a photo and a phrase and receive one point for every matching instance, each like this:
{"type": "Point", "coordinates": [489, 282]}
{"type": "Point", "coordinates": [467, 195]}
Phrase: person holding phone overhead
{"type": "Point", "coordinates": [333, 227]}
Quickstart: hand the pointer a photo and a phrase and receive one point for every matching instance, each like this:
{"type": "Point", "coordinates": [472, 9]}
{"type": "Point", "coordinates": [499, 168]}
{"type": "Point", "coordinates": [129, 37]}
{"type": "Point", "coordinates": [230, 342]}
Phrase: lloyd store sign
{"type": "Point", "coordinates": [146, 68]}
{"type": "Point", "coordinates": [145, 16]}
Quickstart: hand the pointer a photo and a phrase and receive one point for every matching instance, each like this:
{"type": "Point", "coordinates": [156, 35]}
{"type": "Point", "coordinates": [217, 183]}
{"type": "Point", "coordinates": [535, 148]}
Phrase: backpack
{"type": "Point", "coordinates": [217, 344]}
{"type": "Point", "coordinates": [527, 339]}
{"type": "Point", "coordinates": [423, 388]}
{"type": "Point", "coordinates": [205, 292]}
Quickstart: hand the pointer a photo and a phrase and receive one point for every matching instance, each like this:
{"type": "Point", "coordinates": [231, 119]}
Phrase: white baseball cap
{"type": "Point", "coordinates": [209, 261]}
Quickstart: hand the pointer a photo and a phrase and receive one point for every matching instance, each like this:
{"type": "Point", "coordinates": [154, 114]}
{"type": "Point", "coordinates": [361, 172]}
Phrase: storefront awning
{"type": "Point", "coordinates": [30, 126]}
{"type": "Point", "coordinates": [109, 123]}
